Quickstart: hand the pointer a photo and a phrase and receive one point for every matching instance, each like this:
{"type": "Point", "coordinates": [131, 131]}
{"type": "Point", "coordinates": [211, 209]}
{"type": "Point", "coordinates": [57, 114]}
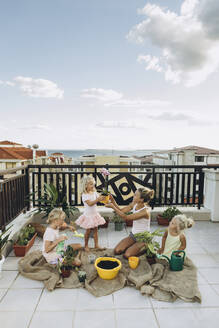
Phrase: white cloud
{"type": "Point", "coordinates": [35, 127]}
{"type": "Point", "coordinates": [39, 88]}
{"type": "Point", "coordinates": [105, 95]}
{"type": "Point", "coordinates": [120, 125]}
{"type": "Point", "coordinates": [8, 83]}
{"type": "Point", "coordinates": [112, 98]}
{"type": "Point", "coordinates": [189, 41]}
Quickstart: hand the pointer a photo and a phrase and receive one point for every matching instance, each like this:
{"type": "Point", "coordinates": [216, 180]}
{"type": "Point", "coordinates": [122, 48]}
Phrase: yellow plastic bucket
{"type": "Point", "coordinates": [105, 273]}
{"type": "Point", "coordinates": [133, 262]}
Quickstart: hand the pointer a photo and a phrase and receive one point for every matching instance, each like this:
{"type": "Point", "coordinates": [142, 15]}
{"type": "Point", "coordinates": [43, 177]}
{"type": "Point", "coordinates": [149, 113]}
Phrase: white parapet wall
{"type": "Point", "coordinates": [211, 193]}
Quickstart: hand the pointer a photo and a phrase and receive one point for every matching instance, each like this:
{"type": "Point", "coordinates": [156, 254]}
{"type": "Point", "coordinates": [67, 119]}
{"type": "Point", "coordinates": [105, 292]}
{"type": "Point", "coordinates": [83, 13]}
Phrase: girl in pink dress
{"type": "Point", "coordinates": [90, 219]}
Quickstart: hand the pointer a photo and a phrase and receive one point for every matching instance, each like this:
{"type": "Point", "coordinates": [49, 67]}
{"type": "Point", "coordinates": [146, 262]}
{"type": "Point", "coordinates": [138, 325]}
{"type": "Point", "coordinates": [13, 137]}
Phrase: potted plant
{"type": "Point", "coordinates": [82, 276]}
{"type": "Point", "coordinates": [151, 246]}
{"type": "Point", "coordinates": [105, 173]}
{"type": "Point", "coordinates": [129, 223]}
{"type": "Point", "coordinates": [4, 235]}
{"type": "Point", "coordinates": [167, 215]}
{"type": "Point", "coordinates": [25, 240]}
{"type": "Point", "coordinates": [54, 198]}
{"type": "Point", "coordinates": [66, 263]}
{"type": "Point", "coordinates": [118, 221]}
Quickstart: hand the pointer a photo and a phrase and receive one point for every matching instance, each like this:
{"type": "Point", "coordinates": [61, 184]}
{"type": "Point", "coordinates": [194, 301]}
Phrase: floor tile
{"type": "Point", "coordinates": [20, 300]}
{"type": "Point", "coordinates": [87, 301]}
{"type": "Point", "coordinates": [130, 298]}
{"type": "Point", "coordinates": [207, 317]}
{"type": "Point", "coordinates": [216, 288]}
{"type": "Point", "coordinates": [210, 274]}
{"type": "Point", "coordinates": [58, 300]}
{"type": "Point", "coordinates": [136, 318]}
{"type": "Point", "coordinates": [176, 318]}
{"type": "Point", "coordinates": [204, 260]}
{"type": "Point", "coordinates": [2, 292]}
{"type": "Point", "coordinates": [7, 277]}
{"type": "Point", "coordinates": [209, 297]}
{"type": "Point", "coordinates": [52, 319]}
{"type": "Point", "coordinates": [95, 319]}
{"type": "Point", "coordinates": [15, 319]}
{"type": "Point", "coordinates": [11, 263]}
{"type": "Point", "coordinates": [22, 282]}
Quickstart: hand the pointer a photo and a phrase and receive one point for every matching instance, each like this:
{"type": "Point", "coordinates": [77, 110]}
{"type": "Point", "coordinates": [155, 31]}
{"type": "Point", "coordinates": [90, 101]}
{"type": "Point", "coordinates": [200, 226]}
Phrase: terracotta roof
{"type": "Point", "coordinates": [198, 150]}
{"type": "Point", "coordinates": [57, 154]}
{"type": "Point", "coordinates": [20, 153]}
{"type": "Point", "coordinates": [6, 142]}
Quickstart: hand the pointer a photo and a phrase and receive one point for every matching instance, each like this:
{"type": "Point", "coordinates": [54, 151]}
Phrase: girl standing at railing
{"type": "Point", "coordinates": [90, 219]}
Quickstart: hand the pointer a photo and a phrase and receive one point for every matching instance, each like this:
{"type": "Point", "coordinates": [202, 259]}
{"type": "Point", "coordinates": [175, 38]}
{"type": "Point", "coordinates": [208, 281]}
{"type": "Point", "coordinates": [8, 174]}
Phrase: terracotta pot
{"type": "Point", "coordinates": [151, 260]}
{"type": "Point", "coordinates": [129, 223]}
{"type": "Point", "coordinates": [105, 225]}
{"type": "Point", "coordinates": [65, 273]}
{"type": "Point", "coordinates": [21, 250]}
{"type": "Point", "coordinates": [162, 221]}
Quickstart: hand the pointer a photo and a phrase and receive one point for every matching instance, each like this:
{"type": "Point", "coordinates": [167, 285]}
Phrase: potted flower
{"type": "Point", "coordinates": [25, 240]}
{"type": "Point", "coordinates": [151, 246]}
{"type": "Point", "coordinates": [4, 235]}
{"type": "Point", "coordinates": [82, 276]}
{"type": "Point", "coordinates": [105, 173]}
{"type": "Point", "coordinates": [66, 263]}
{"type": "Point", "coordinates": [129, 223]}
{"type": "Point", "coordinates": [167, 215]}
{"type": "Point", "coordinates": [54, 198]}
{"type": "Point", "coordinates": [118, 221]}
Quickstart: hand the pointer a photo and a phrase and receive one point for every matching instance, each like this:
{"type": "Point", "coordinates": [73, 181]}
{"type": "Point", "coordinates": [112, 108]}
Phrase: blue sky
{"type": "Point", "coordinates": [109, 74]}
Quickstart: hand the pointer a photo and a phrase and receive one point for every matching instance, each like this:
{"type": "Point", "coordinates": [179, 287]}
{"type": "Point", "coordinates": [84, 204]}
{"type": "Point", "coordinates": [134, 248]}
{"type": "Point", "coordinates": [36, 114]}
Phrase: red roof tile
{"type": "Point", "coordinates": [20, 153]}
{"type": "Point", "coordinates": [6, 142]}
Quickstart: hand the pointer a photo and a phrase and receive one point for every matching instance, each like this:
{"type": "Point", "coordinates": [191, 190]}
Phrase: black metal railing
{"type": "Point", "coordinates": [13, 192]}
{"type": "Point", "coordinates": [173, 185]}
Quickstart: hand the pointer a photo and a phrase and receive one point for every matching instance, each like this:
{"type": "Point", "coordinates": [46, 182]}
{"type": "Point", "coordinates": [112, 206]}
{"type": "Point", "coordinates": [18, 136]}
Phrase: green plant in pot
{"type": "Point", "coordinates": [105, 192]}
{"type": "Point", "coordinates": [151, 246]}
{"type": "Point", "coordinates": [25, 240]}
{"type": "Point", "coordinates": [66, 264]}
{"type": "Point", "coordinates": [167, 215]}
{"type": "Point", "coordinates": [118, 221]}
{"type": "Point", "coordinates": [82, 276]}
{"type": "Point", "coordinates": [54, 198]}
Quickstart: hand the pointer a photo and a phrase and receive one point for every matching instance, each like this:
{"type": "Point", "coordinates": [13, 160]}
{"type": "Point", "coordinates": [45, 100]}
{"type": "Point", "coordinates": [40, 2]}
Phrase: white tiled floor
{"type": "Point", "coordinates": [32, 306]}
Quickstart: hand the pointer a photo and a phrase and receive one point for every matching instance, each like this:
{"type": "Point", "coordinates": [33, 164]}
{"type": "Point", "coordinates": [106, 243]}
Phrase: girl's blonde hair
{"type": "Point", "coordinates": [146, 193]}
{"type": "Point", "coordinates": [183, 222]}
{"type": "Point", "coordinates": [55, 214]}
{"type": "Point", "coordinates": [85, 180]}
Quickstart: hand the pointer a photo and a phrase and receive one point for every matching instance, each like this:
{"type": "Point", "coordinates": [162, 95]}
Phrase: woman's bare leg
{"type": "Point", "coordinates": [133, 250]}
{"type": "Point", "coordinates": [123, 245]}
{"type": "Point", "coordinates": [86, 238]}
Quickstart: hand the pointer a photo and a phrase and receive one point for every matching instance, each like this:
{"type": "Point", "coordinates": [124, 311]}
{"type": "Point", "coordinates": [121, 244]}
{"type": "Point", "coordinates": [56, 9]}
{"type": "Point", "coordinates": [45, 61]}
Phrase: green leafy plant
{"type": "Point", "coordinates": [54, 198]}
{"type": "Point", "coordinates": [4, 235]}
{"type": "Point", "coordinates": [67, 261]}
{"type": "Point", "coordinates": [25, 235]}
{"type": "Point", "coordinates": [147, 238]}
{"type": "Point", "coordinates": [116, 218]}
{"type": "Point", "coordinates": [170, 212]}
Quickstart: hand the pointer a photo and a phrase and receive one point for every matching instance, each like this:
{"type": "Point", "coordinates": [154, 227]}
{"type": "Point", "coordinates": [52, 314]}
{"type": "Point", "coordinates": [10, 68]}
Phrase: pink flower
{"type": "Point", "coordinates": [104, 172]}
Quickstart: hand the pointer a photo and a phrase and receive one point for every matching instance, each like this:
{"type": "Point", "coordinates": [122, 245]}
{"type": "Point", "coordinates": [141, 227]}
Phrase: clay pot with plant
{"type": "Point", "coordinates": [167, 215]}
{"type": "Point", "coordinates": [25, 240]}
{"type": "Point", "coordinates": [105, 192]}
{"type": "Point", "coordinates": [66, 263]}
{"type": "Point", "coordinates": [151, 246]}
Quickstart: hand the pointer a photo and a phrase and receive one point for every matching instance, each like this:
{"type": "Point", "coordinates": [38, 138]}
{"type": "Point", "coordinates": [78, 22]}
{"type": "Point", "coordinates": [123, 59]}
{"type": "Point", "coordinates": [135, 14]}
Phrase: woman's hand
{"type": "Point", "coordinates": [110, 205]}
{"type": "Point", "coordinates": [100, 198]}
{"type": "Point", "coordinates": [112, 199]}
{"type": "Point", "coordinates": [160, 251]}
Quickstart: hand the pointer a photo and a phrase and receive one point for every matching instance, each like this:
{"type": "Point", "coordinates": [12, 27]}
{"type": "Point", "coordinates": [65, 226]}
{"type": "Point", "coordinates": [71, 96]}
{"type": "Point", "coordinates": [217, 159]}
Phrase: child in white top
{"type": "Point", "coordinates": [141, 220]}
{"type": "Point", "coordinates": [90, 219]}
{"type": "Point", "coordinates": [51, 237]}
{"type": "Point", "coordinates": [174, 238]}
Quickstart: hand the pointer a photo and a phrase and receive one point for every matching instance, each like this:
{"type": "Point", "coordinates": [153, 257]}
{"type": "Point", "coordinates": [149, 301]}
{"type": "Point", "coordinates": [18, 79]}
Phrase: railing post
{"type": "Point", "coordinates": [27, 188]}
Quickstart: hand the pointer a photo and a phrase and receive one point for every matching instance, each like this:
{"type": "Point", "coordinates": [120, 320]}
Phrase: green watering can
{"type": "Point", "coordinates": [176, 261]}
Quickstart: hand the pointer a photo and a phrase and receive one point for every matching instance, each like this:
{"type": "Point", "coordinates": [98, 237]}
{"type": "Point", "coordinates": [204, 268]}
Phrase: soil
{"type": "Point", "coordinates": [107, 265]}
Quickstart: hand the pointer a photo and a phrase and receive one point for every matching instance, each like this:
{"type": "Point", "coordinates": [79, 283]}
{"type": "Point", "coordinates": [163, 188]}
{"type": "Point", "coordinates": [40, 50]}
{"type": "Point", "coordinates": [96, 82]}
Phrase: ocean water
{"type": "Point", "coordinates": [75, 153]}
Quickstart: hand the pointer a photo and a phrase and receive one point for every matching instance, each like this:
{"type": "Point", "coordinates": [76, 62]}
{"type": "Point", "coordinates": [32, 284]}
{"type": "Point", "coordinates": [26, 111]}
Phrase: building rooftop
{"type": "Point", "coordinates": [19, 153]}
{"type": "Point", "coordinates": [6, 142]}
{"type": "Point", "coordinates": [198, 150]}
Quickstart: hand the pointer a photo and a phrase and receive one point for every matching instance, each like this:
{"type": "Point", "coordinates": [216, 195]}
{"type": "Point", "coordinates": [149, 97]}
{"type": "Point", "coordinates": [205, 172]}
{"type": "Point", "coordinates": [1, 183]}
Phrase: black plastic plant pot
{"type": "Point", "coordinates": [119, 226]}
{"type": "Point", "coordinates": [82, 276]}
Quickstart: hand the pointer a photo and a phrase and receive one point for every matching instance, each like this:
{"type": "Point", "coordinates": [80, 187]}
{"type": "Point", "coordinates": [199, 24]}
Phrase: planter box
{"type": "Point", "coordinates": [22, 250]}
{"type": "Point", "coordinates": [118, 226]}
{"type": "Point", "coordinates": [162, 221]}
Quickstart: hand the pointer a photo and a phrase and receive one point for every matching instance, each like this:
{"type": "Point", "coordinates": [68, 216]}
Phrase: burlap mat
{"type": "Point", "coordinates": [155, 280]}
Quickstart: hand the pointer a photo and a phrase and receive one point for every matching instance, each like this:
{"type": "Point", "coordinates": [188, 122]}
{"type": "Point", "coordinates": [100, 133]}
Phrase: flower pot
{"type": "Point", "coordinates": [105, 225]}
{"type": "Point", "coordinates": [119, 226]}
{"type": "Point", "coordinates": [107, 267]}
{"type": "Point", "coordinates": [133, 262]}
{"type": "Point", "coordinates": [162, 221]}
{"type": "Point", "coordinates": [151, 260]}
{"type": "Point", "coordinates": [129, 223]}
{"type": "Point", "coordinates": [65, 273]}
{"type": "Point", "coordinates": [21, 250]}
{"type": "Point", "coordinates": [106, 199]}
{"type": "Point", "coordinates": [1, 264]}
{"type": "Point", "coordinates": [82, 276]}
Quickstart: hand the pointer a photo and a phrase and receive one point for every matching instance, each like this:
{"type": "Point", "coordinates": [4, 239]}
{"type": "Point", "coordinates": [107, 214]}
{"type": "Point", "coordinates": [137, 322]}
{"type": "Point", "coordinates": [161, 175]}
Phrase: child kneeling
{"type": "Point", "coordinates": [51, 237]}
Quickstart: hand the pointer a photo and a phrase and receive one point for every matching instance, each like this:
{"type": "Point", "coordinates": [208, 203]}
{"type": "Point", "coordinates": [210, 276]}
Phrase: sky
{"type": "Point", "coordinates": [118, 74]}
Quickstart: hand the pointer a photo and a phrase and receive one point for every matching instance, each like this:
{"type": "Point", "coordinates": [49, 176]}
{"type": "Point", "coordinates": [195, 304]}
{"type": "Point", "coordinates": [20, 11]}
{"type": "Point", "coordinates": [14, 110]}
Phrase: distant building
{"type": "Point", "coordinates": [59, 158]}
